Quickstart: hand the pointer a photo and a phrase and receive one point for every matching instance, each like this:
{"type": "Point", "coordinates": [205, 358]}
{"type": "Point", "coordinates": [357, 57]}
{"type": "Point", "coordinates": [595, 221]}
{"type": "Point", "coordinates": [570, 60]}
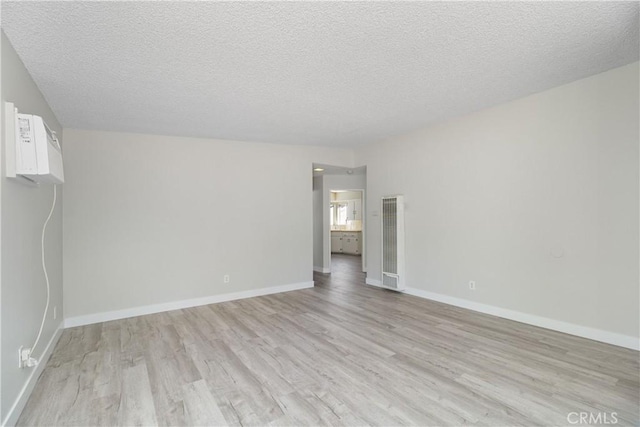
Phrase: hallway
{"type": "Point", "coordinates": [346, 270]}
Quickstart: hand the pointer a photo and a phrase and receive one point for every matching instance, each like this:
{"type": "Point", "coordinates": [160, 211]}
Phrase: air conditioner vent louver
{"type": "Point", "coordinates": [390, 281]}
{"type": "Point", "coordinates": [393, 242]}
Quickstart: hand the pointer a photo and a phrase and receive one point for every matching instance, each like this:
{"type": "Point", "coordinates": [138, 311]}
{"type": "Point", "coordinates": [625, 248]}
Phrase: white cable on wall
{"type": "Point", "coordinates": [44, 269]}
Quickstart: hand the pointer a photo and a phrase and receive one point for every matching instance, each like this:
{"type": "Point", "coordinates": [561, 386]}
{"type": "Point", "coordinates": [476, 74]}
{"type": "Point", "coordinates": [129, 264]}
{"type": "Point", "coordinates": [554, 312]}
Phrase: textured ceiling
{"type": "Point", "coordinates": [324, 73]}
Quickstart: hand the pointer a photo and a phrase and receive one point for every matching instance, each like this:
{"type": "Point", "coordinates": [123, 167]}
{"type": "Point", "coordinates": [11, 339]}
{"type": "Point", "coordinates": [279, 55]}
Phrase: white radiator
{"type": "Point", "coordinates": [393, 242]}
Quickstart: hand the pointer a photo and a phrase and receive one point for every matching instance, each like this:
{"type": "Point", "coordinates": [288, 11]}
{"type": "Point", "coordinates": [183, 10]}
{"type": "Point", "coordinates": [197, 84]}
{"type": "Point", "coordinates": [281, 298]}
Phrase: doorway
{"type": "Point", "coordinates": [345, 223]}
{"type": "Point", "coordinates": [339, 216]}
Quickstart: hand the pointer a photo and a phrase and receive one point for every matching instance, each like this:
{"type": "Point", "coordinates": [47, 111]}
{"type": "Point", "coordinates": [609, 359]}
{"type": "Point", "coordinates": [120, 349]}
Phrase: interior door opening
{"type": "Point", "coordinates": [345, 222]}
{"type": "Point", "coordinates": [339, 218]}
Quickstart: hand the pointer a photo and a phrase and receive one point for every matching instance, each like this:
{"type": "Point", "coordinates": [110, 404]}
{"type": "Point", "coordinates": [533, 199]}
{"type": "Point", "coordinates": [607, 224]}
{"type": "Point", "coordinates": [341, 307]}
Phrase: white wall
{"type": "Point", "coordinates": [151, 219]}
{"type": "Point", "coordinates": [536, 200]}
{"type": "Point", "coordinates": [22, 214]}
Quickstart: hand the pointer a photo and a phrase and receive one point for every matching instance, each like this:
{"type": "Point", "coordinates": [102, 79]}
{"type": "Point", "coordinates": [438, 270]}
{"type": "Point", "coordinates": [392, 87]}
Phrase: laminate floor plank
{"type": "Point", "coordinates": [136, 401]}
{"type": "Point", "coordinates": [341, 353]}
{"type": "Point", "coordinates": [200, 406]}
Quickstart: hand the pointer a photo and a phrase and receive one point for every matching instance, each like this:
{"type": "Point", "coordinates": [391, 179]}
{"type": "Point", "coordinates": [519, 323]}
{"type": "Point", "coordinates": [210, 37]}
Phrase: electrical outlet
{"type": "Point", "coordinates": [24, 358]}
{"type": "Point", "coordinates": [472, 285]}
{"type": "Point", "coordinates": [227, 278]}
{"type": "Point", "coordinates": [55, 312]}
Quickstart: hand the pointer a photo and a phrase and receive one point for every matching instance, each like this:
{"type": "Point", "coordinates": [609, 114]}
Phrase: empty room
{"type": "Point", "coordinates": [319, 213]}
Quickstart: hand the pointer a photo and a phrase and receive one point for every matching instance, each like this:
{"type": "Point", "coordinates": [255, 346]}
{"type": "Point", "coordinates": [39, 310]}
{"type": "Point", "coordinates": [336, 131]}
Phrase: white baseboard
{"type": "Point", "coordinates": [543, 322]}
{"type": "Point", "coordinates": [16, 409]}
{"type": "Point", "coordinates": [176, 305]}
{"type": "Point", "coordinates": [321, 269]}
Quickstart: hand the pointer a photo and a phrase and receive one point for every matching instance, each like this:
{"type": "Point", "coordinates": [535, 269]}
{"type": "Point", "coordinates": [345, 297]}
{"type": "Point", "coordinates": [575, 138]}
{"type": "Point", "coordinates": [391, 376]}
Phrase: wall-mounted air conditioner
{"type": "Point", "coordinates": [33, 151]}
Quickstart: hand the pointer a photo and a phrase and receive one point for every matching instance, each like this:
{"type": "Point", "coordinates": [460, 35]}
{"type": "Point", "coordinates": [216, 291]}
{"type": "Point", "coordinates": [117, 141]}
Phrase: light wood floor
{"type": "Point", "coordinates": [341, 353]}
